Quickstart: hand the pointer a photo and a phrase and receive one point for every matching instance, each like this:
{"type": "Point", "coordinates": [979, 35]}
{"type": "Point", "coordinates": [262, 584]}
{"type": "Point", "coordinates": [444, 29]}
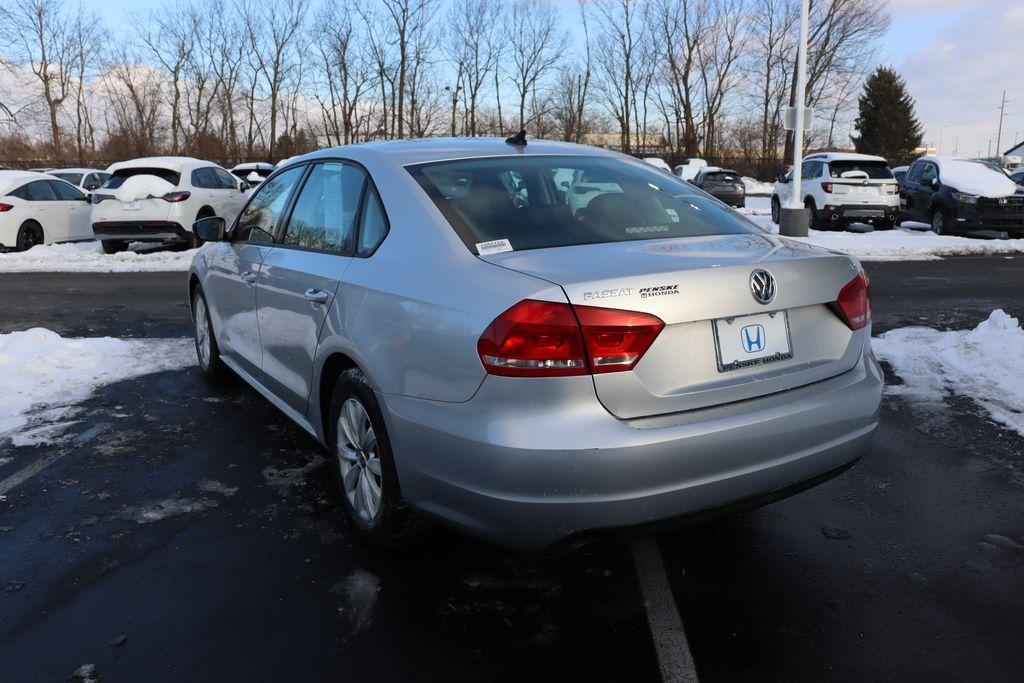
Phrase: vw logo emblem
{"type": "Point", "coordinates": [762, 286]}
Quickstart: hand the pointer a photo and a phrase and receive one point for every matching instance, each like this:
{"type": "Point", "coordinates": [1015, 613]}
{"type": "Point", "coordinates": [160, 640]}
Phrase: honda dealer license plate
{"type": "Point", "coordinates": [130, 206]}
{"type": "Point", "coordinates": [752, 340]}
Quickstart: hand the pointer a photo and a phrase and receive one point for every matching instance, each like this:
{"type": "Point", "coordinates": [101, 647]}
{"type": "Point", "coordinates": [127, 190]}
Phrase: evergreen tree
{"type": "Point", "coordinates": [886, 123]}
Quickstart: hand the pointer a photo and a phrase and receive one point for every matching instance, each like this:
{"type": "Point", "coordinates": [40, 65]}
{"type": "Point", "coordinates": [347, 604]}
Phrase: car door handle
{"type": "Point", "coordinates": [248, 277]}
{"type": "Point", "coordinates": [317, 296]}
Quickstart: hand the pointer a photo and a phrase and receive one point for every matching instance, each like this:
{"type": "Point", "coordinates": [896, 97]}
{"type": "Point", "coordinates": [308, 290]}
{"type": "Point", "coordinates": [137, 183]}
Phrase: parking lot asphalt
{"type": "Point", "coordinates": [182, 530]}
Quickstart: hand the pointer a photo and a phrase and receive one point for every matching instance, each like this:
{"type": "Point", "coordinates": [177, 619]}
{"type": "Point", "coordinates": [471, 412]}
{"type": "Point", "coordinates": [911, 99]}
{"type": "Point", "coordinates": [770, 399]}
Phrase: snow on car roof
{"type": "Point", "coordinates": [76, 170]}
{"type": "Point", "coordinates": [843, 156]}
{"type": "Point", "coordinates": [10, 180]}
{"type": "Point", "coordinates": [169, 163]}
{"type": "Point", "coordinates": [253, 166]}
{"type": "Point", "coordinates": [972, 177]}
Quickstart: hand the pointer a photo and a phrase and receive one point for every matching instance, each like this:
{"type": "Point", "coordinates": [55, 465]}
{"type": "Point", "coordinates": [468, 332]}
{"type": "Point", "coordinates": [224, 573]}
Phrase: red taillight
{"type": "Point", "coordinates": [548, 339]}
{"type": "Point", "coordinates": [5, 207]}
{"type": "Point", "coordinates": [176, 196]}
{"type": "Point", "coordinates": [854, 302]}
{"type": "Point", "coordinates": [827, 187]}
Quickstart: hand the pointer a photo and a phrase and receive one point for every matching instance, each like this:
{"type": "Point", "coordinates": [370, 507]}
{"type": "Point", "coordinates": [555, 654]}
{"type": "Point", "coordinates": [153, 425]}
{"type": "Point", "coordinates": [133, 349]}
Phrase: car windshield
{"type": "Point", "coordinates": [876, 170]}
{"type": "Point", "coordinates": [73, 178]}
{"type": "Point", "coordinates": [119, 176]}
{"type": "Point", "coordinates": [552, 201]}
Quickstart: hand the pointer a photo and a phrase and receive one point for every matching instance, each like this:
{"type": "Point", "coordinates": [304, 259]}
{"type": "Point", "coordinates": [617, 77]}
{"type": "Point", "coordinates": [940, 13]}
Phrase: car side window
{"type": "Point", "coordinates": [224, 179]}
{"type": "Point", "coordinates": [373, 226]}
{"type": "Point", "coordinates": [40, 191]}
{"type": "Point", "coordinates": [65, 192]}
{"type": "Point", "coordinates": [808, 170]}
{"type": "Point", "coordinates": [204, 178]}
{"type": "Point", "coordinates": [914, 174]}
{"type": "Point", "coordinates": [92, 181]}
{"type": "Point", "coordinates": [928, 174]}
{"type": "Point", "coordinates": [325, 212]}
{"type": "Point", "coordinates": [258, 220]}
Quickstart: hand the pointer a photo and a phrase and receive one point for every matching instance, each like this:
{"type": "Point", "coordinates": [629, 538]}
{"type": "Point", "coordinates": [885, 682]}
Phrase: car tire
{"type": "Point", "coordinates": [742, 204]}
{"type": "Point", "coordinates": [207, 351]}
{"type": "Point", "coordinates": [940, 221]}
{"type": "Point", "coordinates": [776, 211]}
{"type": "Point", "coordinates": [114, 246]}
{"type": "Point", "coordinates": [30, 234]}
{"type": "Point", "coordinates": [813, 208]}
{"type": "Point", "coordinates": [365, 467]}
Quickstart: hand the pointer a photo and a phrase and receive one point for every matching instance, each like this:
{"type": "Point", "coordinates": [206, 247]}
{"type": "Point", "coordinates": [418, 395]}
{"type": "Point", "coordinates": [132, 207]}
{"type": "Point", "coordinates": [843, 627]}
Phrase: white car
{"type": "Point", "coordinates": [690, 169]}
{"type": "Point", "coordinates": [85, 179]}
{"type": "Point", "coordinates": [840, 188]}
{"type": "Point", "coordinates": [36, 208]}
{"type": "Point", "coordinates": [253, 173]}
{"type": "Point", "coordinates": [658, 163]}
{"type": "Point", "coordinates": [157, 199]}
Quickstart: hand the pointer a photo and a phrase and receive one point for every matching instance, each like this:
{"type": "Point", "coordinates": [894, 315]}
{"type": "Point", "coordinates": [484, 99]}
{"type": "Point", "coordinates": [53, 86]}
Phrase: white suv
{"type": "Point", "coordinates": [157, 199]}
{"type": "Point", "coordinates": [842, 188]}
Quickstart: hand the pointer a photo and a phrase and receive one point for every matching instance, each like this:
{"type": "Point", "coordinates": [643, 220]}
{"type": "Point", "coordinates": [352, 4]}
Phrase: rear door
{"type": "Point", "coordinates": [301, 274]}
{"type": "Point", "coordinates": [229, 197]}
{"type": "Point", "coordinates": [233, 267]}
{"type": "Point", "coordinates": [46, 210]}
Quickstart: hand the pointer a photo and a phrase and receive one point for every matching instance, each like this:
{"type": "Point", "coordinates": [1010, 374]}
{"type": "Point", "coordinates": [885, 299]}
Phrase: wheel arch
{"type": "Point", "coordinates": [335, 364]}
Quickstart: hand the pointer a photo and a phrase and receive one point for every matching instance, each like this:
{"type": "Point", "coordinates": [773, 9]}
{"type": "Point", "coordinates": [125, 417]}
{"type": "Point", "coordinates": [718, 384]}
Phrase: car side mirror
{"type": "Point", "coordinates": [244, 186]}
{"type": "Point", "coordinates": [210, 229]}
{"type": "Point", "coordinates": [935, 183]}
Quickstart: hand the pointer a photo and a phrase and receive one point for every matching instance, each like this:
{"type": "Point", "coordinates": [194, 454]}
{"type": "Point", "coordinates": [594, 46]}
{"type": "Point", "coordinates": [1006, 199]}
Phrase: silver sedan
{"type": "Point", "coordinates": [535, 341]}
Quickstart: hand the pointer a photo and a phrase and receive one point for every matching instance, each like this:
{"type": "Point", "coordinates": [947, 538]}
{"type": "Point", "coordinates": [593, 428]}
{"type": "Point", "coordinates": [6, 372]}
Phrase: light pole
{"type": "Point", "coordinates": [795, 220]}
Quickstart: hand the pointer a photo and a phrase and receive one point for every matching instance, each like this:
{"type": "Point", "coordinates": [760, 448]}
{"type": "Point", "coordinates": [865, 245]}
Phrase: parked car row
{"type": "Point", "coordinates": [951, 195]}
{"type": "Point", "coordinates": [155, 199]}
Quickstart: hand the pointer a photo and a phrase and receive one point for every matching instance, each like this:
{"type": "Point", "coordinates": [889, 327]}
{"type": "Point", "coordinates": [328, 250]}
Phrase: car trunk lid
{"type": "Point", "coordinates": [689, 283]}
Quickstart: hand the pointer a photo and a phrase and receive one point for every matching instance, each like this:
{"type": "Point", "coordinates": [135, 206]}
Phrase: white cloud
{"type": "Point", "coordinates": [957, 77]}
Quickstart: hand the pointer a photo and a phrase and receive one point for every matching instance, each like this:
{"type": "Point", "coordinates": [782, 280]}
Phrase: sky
{"type": "Point", "coordinates": [957, 57]}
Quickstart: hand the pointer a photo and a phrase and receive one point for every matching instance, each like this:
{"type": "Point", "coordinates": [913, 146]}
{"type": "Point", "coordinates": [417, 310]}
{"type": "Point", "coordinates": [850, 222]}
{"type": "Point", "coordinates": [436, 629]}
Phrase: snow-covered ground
{"type": "Point", "coordinates": [756, 188]}
{"type": "Point", "coordinates": [88, 257]}
{"type": "Point", "coordinates": [984, 364]}
{"type": "Point", "coordinates": [913, 242]}
{"type": "Point", "coordinates": [43, 375]}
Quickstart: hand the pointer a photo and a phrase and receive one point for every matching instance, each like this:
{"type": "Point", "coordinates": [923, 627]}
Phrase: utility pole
{"type": "Point", "coordinates": [942, 130]}
{"type": "Point", "coordinates": [956, 145]}
{"type": "Point", "coordinates": [795, 220]}
{"type": "Point", "coordinates": [999, 135]}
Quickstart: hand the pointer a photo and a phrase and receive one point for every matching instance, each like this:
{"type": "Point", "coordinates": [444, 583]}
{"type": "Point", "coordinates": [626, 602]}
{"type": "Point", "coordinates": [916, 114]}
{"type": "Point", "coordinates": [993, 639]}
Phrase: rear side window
{"type": "Point", "coordinates": [606, 199]}
{"type": "Point", "coordinates": [38, 191]}
{"type": "Point", "coordinates": [260, 216]}
{"type": "Point", "coordinates": [66, 192]}
{"type": "Point", "coordinates": [118, 177]}
{"type": "Point", "coordinates": [224, 179]}
{"type": "Point", "coordinates": [373, 227]}
{"type": "Point", "coordinates": [875, 170]}
{"type": "Point", "coordinates": [325, 213]}
{"type": "Point", "coordinates": [205, 178]}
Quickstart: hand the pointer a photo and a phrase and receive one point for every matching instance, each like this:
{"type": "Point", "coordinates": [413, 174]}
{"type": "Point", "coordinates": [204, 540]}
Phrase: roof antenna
{"type": "Point", "coordinates": [519, 139]}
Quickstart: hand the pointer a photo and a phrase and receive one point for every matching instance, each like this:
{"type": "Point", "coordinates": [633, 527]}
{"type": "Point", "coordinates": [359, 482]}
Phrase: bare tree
{"type": "Point", "coordinates": [477, 28]}
{"type": "Point", "coordinates": [274, 31]}
{"type": "Point", "coordinates": [772, 44]}
{"type": "Point", "coordinates": [346, 72]}
{"type": "Point", "coordinates": [534, 44]}
{"type": "Point", "coordinates": [170, 41]}
{"type": "Point", "coordinates": [718, 55]}
{"type": "Point", "coordinates": [680, 26]}
{"type": "Point", "coordinates": [133, 99]}
{"type": "Point", "coordinates": [409, 20]}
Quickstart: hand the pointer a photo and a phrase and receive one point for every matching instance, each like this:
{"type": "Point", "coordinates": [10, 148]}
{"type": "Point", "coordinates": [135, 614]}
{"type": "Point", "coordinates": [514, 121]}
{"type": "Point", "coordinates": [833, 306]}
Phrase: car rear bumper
{"type": "Point", "coordinates": [527, 465]}
{"type": "Point", "coordinates": [731, 197]}
{"type": "Point", "coordinates": [867, 212]}
{"type": "Point", "coordinates": [140, 231]}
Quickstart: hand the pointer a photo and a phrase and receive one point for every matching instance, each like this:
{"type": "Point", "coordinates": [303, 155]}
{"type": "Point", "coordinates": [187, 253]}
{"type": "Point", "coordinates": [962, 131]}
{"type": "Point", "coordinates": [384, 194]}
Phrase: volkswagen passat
{"type": "Point", "coordinates": [475, 345]}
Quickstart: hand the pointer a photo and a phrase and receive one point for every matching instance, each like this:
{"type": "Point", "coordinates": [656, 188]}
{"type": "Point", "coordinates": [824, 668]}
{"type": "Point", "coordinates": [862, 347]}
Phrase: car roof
{"type": "Point", "coordinates": [76, 170]}
{"type": "Point", "coordinates": [253, 165]}
{"type": "Point", "coordinates": [177, 164]}
{"type": "Point", "coordinates": [843, 156]}
{"type": "Point", "coordinates": [424, 150]}
{"type": "Point", "coordinates": [10, 180]}
{"type": "Point", "coordinates": [718, 169]}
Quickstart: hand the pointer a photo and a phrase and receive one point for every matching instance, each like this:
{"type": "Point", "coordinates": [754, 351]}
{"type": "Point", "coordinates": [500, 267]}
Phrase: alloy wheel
{"type": "Point", "coordinates": [358, 460]}
{"type": "Point", "coordinates": [202, 324]}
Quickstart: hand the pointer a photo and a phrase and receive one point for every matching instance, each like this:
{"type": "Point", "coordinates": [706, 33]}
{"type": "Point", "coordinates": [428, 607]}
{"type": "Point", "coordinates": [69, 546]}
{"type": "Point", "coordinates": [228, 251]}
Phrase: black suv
{"type": "Point", "coordinates": [927, 197]}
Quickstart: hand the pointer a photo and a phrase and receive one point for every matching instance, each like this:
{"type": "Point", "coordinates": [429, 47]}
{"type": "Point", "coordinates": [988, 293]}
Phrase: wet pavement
{"type": "Point", "coordinates": [184, 531]}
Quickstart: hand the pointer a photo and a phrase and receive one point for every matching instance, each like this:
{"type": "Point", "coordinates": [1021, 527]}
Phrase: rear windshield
{"type": "Point", "coordinates": [118, 177]}
{"type": "Point", "coordinates": [73, 178]}
{"type": "Point", "coordinates": [553, 201]}
{"type": "Point", "coordinates": [244, 172]}
{"type": "Point", "coordinates": [723, 176]}
{"type": "Point", "coordinates": [876, 170]}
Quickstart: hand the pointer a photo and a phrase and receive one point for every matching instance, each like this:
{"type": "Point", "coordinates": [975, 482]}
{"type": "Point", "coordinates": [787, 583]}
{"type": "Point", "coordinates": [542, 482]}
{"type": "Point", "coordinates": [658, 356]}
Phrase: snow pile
{"type": "Point", "coordinates": [42, 373]}
{"type": "Point", "coordinates": [141, 187]}
{"type": "Point", "coordinates": [983, 364]}
{"type": "Point", "coordinates": [88, 257]}
{"type": "Point", "coordinates": [756, 188]}
{"type": "Point", "coordinates": [974, 177]}
{"type": "Point", "coordinates": [903, 244]}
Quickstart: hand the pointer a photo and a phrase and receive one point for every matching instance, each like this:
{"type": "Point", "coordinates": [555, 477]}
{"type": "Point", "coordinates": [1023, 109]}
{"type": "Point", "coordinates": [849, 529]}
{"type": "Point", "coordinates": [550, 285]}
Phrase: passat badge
{"type": "Point", "coordinates": [762, 286]}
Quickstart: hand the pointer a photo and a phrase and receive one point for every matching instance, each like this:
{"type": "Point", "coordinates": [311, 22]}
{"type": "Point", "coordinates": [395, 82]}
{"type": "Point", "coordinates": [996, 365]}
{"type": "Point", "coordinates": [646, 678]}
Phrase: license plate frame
{"type": "Point", "coordinates": [130, 206]}
{"type": "Point", "coordinates": [731, 361]}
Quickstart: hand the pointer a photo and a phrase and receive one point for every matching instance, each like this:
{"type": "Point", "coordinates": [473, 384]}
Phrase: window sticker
{"type": "Point", "coordinates": [493, 247]}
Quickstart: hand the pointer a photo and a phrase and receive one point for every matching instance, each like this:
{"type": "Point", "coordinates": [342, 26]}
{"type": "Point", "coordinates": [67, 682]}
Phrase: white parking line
{"type": "Point", "coordinates": [667, 632]}
{"type": "Point", "coordinates": [32, 469]}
